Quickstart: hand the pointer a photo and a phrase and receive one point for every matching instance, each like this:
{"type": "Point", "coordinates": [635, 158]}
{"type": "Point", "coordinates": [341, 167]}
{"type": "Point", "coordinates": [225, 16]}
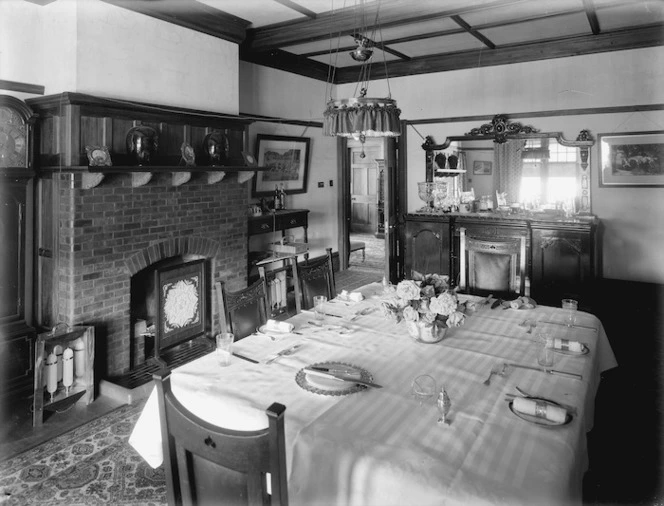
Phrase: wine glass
{"type": "Point", "coordinates": [424, 192]}
{"type": "Point", "coordinates": [423, 388]}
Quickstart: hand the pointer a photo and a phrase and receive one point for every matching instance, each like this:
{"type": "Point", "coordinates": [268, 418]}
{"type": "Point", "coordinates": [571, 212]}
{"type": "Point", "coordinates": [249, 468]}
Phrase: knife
{"type": "Point", "coordinates": [245, 358]}
{"type": "Point", "coordinates": [287, 351]}
{"type": "Point", "coordinates": [549, 371]}
{"type": "Point", "coordinates": [347, 379]}
{"type": "Point", "coordinates": [332, 370]}
{"type": "Point", "coordinates": [575, 325]}
{"type": "Point", "coordinates": [497, 303]}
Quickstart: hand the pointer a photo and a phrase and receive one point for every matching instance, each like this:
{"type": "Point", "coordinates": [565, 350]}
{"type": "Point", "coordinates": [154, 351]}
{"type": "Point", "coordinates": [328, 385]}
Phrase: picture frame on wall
{"type": "Point", "coordinates": [287, 159]}
{"type": "Point", "coordinates": [482, 168]}
{"type": "Point", "coordinates": [631, 159]}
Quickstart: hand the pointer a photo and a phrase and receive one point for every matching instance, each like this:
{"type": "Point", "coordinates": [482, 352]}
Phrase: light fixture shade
{"type": "Point", "coordinates": [355, 117]}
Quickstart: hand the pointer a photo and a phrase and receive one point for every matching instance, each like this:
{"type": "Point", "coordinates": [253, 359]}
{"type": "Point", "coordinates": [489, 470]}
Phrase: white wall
{"type": "Point", "coordinates": [633, 218]}
{"type": "Point", "coordinates": [89, 46]}
{"type": "Point", "coordinates": [278, 94]}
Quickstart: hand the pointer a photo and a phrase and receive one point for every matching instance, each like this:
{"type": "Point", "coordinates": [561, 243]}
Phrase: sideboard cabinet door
{"type": "Point", "coordinates": [427, 247]}
{"type": "Point", "coordinates": [563, 265]}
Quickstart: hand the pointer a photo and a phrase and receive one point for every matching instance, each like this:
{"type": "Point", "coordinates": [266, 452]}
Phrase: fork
{"type": "Point", "coordinates": [499, 370]}
{"type": "Point", "coordinates": [365, 311]}
{"type": "Point", "coordinates": [284, 353]}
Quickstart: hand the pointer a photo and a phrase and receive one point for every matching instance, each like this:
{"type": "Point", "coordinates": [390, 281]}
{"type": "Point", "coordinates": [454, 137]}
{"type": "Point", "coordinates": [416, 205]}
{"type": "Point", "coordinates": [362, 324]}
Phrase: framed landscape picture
{"type": "Point", "coordinates": [288, 162]}
{"type": "Point", "coordinates": [632, 159]}
{"type": "Point", "coordinates": [481, 168]}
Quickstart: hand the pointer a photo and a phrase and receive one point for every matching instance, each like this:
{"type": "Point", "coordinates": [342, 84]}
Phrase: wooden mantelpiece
{"type": "Point", "coordinates": [69, 122]}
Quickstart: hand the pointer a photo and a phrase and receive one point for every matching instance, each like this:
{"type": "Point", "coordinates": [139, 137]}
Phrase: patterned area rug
{"type": "Point", "coordinates": [90, 465]}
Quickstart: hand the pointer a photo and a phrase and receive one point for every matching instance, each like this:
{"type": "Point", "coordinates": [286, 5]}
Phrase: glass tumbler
{"type": "Point", "coordinates": [319, 306]}
{"type": "Point", "coordinates": [224, 348]}
{"type": "Point", "coordinates": [545, 355]}
{"type": "Point", "coordinates": [570, 306]}
{"type": "Point", "coordinates": [423, 388]}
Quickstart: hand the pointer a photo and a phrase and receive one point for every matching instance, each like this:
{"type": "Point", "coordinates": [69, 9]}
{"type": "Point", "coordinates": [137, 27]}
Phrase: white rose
{"type": "Point", "coordinates": [455, 319]}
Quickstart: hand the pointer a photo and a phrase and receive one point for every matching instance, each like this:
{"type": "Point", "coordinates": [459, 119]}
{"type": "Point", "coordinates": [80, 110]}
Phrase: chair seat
{"type": "Point", "coordinates": [356, 246]}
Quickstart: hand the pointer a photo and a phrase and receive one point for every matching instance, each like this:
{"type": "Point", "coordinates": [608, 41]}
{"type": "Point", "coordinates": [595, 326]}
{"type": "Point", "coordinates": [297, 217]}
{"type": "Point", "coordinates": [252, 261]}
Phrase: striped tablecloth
{"type": "Point", "coordinates": [380, 446]}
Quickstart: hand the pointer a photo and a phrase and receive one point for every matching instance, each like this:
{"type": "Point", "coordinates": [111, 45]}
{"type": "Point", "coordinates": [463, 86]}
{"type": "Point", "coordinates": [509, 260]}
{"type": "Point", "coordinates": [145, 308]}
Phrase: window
{"type": "Point", "coordinates": [549, 173]}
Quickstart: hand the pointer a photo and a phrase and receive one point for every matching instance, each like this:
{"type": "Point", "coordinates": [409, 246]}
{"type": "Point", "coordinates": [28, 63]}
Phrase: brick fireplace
{"type": "Point", "coordinates": [108, 233]}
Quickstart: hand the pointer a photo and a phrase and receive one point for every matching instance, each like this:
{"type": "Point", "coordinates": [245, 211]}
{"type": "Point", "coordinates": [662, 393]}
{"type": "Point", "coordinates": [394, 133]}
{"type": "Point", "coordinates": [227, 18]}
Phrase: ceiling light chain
{"type": "Point", "coordinates": [362, 117]}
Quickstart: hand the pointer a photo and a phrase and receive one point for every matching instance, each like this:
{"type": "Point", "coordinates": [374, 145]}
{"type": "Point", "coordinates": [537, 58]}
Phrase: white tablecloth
{"type": "Point", "coordinates": [380, 446]}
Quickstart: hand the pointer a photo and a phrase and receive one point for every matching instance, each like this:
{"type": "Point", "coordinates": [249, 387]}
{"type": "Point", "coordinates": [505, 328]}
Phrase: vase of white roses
{"type": "Point", "coordinates": [427, 304]}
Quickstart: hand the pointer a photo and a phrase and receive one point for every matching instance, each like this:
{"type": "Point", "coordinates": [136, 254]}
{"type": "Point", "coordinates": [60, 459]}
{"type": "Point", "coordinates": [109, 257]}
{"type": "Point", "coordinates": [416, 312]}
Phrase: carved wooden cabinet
{"type": "Point", "coordinates": [17, 336]}
{"type": "Point", "coordinates": [562, 258]}
{"type": "Point", "coordinates": [427, 248]}
{"type": "Point", "coordinates": [563, 261]}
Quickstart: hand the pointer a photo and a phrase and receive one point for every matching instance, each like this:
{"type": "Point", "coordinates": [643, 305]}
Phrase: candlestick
{"type": "Point", "coordinates": [51, 369]}
{"type": "Point", "coordinates": [57, 349]}
{"type": "Point", "coordinates": [67, 369]}
{"type": "Point", "coordinates": [79, 358]}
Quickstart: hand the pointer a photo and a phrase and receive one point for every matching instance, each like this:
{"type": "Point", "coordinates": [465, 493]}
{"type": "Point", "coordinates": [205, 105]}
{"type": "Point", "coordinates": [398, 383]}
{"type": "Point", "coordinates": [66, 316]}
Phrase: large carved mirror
{"type": "Point", "coordinates": [537, 170]}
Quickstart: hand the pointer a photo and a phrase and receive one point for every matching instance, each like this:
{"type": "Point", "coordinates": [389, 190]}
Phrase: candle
{"type": "Point", "coordinates": [67, 369]}
{"type": "Point", "coordinates": [79, 358]}
{"type": "Point", "coordinates": [51, 369]}
{"type": "Point", "coordinates": [57, 349]}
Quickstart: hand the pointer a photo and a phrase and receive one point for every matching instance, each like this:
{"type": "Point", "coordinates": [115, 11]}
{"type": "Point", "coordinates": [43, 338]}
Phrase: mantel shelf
{"type": "Point", "coordinates": [141, 175]}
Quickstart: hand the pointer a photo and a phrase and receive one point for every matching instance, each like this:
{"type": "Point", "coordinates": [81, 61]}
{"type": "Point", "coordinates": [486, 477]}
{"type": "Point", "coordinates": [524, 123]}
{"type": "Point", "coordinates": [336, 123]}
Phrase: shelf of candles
{"type": "Point", "coordinates": [64, 370]}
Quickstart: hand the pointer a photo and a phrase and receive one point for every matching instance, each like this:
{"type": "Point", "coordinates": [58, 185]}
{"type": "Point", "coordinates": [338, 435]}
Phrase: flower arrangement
{"type": "Point", "coordinates": [425, 300]}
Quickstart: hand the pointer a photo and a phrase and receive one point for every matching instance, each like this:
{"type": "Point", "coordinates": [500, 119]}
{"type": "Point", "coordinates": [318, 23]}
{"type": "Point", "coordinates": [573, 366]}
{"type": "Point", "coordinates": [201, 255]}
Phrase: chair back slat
{"type": "Point", "coordinates": [206, 464]}
{"type": "Point", "coordinates": [317, 278]}
{"type": "Point", "coordinates": [243, 310]}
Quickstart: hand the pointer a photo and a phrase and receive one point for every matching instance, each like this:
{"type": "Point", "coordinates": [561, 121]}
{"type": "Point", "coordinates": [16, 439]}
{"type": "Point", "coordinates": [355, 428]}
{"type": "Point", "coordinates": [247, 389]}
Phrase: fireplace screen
{"type": "Point", "coordinates": [181, 304]}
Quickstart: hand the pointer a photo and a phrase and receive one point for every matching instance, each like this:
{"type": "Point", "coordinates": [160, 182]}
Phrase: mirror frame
{"type": "Point", "coordinates": [500, 130]}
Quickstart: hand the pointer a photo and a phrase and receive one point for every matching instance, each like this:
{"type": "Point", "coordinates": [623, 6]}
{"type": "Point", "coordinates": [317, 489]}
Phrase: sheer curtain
{"type": "Point", "coordinates": [507, 159]}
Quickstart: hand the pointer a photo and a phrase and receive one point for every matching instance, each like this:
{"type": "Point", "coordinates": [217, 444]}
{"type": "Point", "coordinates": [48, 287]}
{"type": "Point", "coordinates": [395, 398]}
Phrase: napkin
{"type": "Point", "coordinates": [530, 407]}
{"type": "Point", "coordinates": [277, 326]}
{"type": "Point", "coordinates": [566, 344]}
{"type": "Point", "coordinates": [356, 296]}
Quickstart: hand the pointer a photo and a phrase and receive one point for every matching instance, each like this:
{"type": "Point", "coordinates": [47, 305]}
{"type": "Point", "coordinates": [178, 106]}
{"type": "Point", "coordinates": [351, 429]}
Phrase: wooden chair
{"type": "Point", "coordinates": [492, 265]}
{"type": "Point", "coordinates": [317, 278]}
{"type": "Point", "coordinates": [205, 464]}
{"type": "Point", "coordinates": [279, 282]}
{"type": "Point", "coordinates": [357, 246]}
{"type": "Point", "coordinates": [242, 311]}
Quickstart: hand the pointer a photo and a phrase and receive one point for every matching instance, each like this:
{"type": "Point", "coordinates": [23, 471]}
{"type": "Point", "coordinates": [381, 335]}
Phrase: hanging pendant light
{"type": "Point", "coordinates": [360, 117]}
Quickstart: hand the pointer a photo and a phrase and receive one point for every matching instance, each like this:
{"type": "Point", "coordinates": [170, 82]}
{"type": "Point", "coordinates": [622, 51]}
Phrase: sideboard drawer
{"type": "Point", "coordinates": [261, 226]}
{"type": "Point", "coordinates": [293, 221]}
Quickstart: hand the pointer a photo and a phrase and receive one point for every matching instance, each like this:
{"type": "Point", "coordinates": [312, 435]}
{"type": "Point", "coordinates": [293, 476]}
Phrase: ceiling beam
{"type": "Point", "coordinates": [288, 62]}
{"type": "Point", "coordinates": [346, 21]}
{"type": "Point", "coordinates": [298, 8]}
{"type": "Point", "coordinates": [473, 32]}
{"type": "Point", "coordinates": [592, 15]}
{"type": "Point", "coordinates": [190, 14]}
{"type": "Point", "coordinates": [643, 36]}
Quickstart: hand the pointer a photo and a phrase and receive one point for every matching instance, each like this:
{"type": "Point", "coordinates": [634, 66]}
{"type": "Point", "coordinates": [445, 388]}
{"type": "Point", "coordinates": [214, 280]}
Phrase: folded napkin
{"type": "Point", "coordinates": [523, 303]}
{"type": "Point", "coordinates": [352, 296]}
{"type": "Point", "coordinates": [567, 345]}
{"type": "Point", "coordinates": [540, 409]}
{"type": "Point", "coordinates": [356, 296]}
{"type": "Point", "coordinates": [278, 326]}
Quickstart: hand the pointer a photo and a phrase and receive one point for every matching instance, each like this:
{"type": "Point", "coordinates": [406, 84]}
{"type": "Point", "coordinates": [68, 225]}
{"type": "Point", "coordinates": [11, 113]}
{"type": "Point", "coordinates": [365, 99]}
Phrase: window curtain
{"type": "Point", "coordinates": [507, 158]}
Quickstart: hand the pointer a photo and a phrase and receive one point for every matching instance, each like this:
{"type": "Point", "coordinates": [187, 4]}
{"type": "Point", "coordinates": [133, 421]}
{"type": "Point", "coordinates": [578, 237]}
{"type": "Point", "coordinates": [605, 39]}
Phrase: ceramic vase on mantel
{"type": "Point", "coordinates": [426, 332]}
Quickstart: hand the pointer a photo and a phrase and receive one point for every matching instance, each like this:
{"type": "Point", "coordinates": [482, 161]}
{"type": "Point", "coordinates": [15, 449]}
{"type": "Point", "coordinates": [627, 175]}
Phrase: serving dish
{"type": "Point", "coordinates": [330, 386]}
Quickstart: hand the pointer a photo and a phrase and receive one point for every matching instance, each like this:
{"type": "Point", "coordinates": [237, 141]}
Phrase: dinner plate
{"type": "Point", "coordinates": [329, 386]}
{"type": "Point", "coordinates": [537, 420]}
{"type": "Point", "coordinates": [584, 351]}
{"type": "Point", "coordinates": [263, 329]}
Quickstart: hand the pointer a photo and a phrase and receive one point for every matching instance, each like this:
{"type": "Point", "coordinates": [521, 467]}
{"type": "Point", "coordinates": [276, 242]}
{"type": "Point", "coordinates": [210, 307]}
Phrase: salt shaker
{"type": "Point", "coordinates": [444, 405]}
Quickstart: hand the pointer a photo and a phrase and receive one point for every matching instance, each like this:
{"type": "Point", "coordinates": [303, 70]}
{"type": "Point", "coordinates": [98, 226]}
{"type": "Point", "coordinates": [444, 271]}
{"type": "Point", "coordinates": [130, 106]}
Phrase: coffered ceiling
{"type": "Point", "coordinates": [313, 38]}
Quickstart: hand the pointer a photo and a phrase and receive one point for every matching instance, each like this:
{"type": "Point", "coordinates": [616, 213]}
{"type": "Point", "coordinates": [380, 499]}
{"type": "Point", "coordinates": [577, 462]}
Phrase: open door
{"type": "Point", "coordinates": [379, 173]}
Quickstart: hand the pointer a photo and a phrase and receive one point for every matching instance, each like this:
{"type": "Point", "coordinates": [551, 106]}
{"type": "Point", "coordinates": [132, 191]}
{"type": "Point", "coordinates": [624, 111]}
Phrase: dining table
{"type": "Point", "coordinates": [382, 445]}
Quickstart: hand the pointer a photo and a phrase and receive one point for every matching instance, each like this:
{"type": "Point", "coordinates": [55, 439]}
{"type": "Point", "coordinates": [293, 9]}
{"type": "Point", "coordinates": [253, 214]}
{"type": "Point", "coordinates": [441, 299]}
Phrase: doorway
{"type": "Point", "coordinates": [366, 224]}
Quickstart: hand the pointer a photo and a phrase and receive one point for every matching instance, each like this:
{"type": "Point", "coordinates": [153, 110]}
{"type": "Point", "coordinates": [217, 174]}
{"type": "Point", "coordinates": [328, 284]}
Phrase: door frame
{"type": "Point", "coordinates": [394, 151]}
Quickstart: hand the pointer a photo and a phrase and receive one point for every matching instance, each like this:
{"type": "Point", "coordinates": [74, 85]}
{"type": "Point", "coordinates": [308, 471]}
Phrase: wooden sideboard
{"type": "Point", "coordinates": [562, 258]}
{"type": "Point", "coordinates": [274, 222]}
